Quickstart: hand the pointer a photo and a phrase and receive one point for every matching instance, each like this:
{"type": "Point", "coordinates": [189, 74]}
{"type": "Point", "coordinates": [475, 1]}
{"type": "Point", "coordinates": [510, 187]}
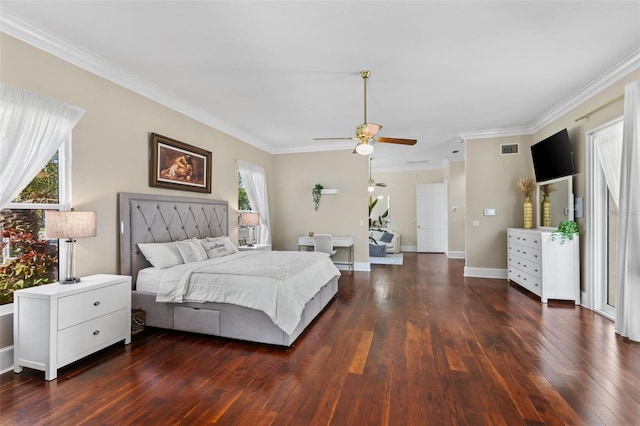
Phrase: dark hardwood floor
{"type": "Point", "coordinates": [402, 345]}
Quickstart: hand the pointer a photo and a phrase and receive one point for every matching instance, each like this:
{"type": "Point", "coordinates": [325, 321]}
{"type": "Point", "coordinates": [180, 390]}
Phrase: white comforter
{"type": "Point", "coordinates": [277, 283]}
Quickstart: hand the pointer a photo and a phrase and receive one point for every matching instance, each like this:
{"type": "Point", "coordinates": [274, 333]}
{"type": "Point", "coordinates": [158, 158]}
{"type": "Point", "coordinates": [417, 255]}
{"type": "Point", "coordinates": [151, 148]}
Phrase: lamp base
{"type": "Point", "coordinates": [70, 280]}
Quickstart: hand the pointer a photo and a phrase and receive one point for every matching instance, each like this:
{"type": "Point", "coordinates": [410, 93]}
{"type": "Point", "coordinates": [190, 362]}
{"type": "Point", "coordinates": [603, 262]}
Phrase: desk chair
{"type": "Point", "coordinates": [324, 243]}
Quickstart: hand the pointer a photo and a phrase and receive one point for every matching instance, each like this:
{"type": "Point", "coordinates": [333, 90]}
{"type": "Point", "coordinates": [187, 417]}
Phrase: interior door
{"type": "Point", "coordinates": [431, 217]}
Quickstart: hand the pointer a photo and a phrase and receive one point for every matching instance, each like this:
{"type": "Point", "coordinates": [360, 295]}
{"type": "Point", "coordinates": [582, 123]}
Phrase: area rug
{"type": "Point", "coordinates": [389, 259]}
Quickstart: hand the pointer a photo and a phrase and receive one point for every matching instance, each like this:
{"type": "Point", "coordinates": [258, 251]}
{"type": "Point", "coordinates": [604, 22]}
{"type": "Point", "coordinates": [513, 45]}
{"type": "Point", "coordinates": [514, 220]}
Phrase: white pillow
{"type": "Point", "coordinates": [191, 250]}
{"type": "Point", "coordinates": [161, 255]}
{"type": "Point", "coordinates": [218, 247]}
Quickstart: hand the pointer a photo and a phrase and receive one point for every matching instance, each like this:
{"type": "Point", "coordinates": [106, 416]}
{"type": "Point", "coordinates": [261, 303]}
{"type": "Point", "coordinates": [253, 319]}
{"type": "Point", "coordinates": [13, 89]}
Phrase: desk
{"type": "Point", "coordinates": [338, 242]}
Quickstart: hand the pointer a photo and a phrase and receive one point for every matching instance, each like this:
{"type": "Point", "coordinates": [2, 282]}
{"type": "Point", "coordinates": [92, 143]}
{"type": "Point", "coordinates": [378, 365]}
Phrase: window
{"type": "Point", "coordinates": [243, 205]}
{"type": "Point", "coordinates": [26, 258]}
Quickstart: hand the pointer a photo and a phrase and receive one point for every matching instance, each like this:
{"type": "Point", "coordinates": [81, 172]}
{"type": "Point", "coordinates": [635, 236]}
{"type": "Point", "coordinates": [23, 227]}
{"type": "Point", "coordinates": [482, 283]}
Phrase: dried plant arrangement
{"type": "Point", "coordinates": [547, 189]}
{"type": "Point", "coordinates": [526, 185]}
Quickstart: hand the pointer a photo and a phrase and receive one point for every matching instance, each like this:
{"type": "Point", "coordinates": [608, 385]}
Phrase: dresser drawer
{"type": "Point", "coordinates": [525, 265]}
{"type": "Point", "coordinates": [526, 239]}
{"type": "Point", "coordinates": [528, 281]}
{"type": "Point", "coordinates": [528, 253]}
{"type": "Point", "coordinates": [75, 342]}
{"type": "Point", "coordinates": [78, 308]}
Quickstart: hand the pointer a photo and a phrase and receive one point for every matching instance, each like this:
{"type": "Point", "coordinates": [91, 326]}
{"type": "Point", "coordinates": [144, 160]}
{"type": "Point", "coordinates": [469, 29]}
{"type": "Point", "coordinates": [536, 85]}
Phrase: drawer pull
{"type": "Point", "coordinates": [536, 285]}
{"type": "Point", "coordinates": [96, 332]}
{"type": "Point", "coordinates": [96, 303]}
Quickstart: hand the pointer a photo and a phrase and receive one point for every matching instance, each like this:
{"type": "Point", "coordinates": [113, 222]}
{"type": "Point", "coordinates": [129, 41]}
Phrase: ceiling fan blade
{"type": "Point", "coordinates": [383, 185]}
{"type": "Point", "coordinates": [397, 140]}
{"type": "Point", "coordinates": [334, 139]}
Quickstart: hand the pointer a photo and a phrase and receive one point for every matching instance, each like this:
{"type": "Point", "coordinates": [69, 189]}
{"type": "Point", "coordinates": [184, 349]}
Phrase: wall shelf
{"type": "Point", "coordinates": [328, 191]}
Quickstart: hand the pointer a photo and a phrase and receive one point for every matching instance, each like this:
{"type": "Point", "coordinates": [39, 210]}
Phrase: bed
{"type": "Point", "coordinates": [288, 295]}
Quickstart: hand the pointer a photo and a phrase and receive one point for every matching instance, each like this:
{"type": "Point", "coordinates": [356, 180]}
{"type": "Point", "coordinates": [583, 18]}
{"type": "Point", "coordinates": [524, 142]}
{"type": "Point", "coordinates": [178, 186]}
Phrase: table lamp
{"type": "Point", "coordinates": [69, 225]}
{"type": "Point", "coordinates": [250, 220]}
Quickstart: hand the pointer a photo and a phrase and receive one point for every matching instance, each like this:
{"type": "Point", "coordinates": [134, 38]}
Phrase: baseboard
{"type": "Point", "coordinates": [357, 266]}
{"type": "Point", "coordinates": [457, 255]}
{"type": "Point", "coordinates": [409, 248]}
{"type": "Point", "coordinates": [485, 272]}
{"type": "Point", "coordinates": [6, 359]}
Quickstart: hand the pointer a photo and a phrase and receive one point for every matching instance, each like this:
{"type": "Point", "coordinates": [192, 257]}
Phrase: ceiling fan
{"type": "Point", "coordinates": [366, 132]}
{"type": "Point", "coordinates": [373, 183]}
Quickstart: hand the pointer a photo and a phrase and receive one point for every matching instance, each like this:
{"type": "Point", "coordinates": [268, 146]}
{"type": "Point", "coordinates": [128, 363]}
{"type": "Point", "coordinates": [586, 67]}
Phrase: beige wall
{"type": "Point", "coordinates": [345, 213]}
{"type": "Point", "coordinates": [401, 189]}
{"type": "Point", "coordinates": [491, 183]}
{"type": "Point", "coordinates": [456, 211]}
{"type": "Point", "coordinates": [111, 144]}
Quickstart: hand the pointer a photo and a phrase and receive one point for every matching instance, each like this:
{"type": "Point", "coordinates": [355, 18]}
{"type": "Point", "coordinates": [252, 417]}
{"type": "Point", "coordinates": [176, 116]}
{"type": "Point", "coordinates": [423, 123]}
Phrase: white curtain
{"type": "Point", "coordinates": [32, 128]}
{"type": "Point", "coordinates": [255, 183]}
{"type": "Point", "coordinates": [608, 143]}
{"type": "Point", "coordinates": [628, 300]}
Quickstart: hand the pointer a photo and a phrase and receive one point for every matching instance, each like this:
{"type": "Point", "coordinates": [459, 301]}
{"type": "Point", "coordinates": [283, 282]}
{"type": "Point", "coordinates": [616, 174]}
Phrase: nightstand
{"type": "Point", "coordinates": [57, 324]}
{"type": "Point", "coordinates": [256, 247]}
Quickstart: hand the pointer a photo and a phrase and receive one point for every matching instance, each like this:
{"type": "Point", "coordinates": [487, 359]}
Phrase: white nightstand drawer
{"type": "Point", "coordinates": [81, 307]}
{"type": "Point", "coordinates": [75, 342]}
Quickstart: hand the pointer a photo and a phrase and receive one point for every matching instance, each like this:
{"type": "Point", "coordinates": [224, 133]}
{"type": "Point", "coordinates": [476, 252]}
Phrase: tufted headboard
{"type": "Point", "coordinates": [157, 218]}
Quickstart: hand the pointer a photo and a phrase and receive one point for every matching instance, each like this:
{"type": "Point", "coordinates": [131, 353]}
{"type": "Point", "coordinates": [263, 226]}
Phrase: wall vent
{"type": "Point", "coordinates": [509, 149]}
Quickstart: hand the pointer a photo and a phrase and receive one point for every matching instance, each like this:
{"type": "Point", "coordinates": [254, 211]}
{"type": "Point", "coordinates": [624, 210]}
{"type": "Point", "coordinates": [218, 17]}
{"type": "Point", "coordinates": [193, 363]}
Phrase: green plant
{"type": "Point", "coordinates": [317, 194]}
{"type": "Point", "coordinates": [34, 264]}
{"type": "Point", "coordinates": [567, 229]}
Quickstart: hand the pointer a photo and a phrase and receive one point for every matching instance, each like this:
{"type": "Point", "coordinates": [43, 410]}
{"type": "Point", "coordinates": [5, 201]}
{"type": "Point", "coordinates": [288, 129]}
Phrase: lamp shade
{"type": "Point", "coordinates": [249, 219]}
{"type": "Point", "coordinates": [71, 224]}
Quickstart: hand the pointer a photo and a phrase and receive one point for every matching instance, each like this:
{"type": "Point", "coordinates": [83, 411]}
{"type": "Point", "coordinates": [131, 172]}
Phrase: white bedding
{"type": "Point", "coordinates": [277, 283]}
{"type": "Point", "coordinates": [149, 279]}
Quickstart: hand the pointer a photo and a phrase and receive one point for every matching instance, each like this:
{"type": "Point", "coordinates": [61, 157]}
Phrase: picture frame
{"type": "Point", "coordinates": [177, 165]}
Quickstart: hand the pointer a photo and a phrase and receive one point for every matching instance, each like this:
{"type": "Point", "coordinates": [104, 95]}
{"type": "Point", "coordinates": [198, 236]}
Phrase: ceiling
{"type": "Point", "coordinates": [278, 74]}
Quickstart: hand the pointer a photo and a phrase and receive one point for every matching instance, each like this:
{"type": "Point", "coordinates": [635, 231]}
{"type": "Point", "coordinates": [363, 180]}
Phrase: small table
{"type": "Point", "coordinates": [256, 247]}
{"type": "Point", "coordinates": [344, 242]}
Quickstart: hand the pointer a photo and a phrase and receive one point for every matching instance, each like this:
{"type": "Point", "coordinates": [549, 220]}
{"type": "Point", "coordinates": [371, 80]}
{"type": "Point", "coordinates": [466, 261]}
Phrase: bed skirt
{"type": "Point", "coordinates": [226, 320]}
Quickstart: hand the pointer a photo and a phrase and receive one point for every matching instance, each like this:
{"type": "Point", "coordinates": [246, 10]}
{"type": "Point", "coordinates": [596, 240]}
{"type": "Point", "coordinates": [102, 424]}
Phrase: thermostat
{"type": "Point", "coordinates": [489, 212]}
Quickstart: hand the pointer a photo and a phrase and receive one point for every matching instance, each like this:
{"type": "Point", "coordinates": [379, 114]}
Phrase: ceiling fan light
{"type": "Point", "coordinates": [371, 188]}
{"type": "Point", "coordinates": [364, 148]}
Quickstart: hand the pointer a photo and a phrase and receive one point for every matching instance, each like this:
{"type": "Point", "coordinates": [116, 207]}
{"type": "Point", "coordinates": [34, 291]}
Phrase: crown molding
{"type": "Point", "coordinates": [627, 65]}
{"type": "Point", "coordinates": [497, 133]}
{"type": "Point", "coordinates": [24, 31]}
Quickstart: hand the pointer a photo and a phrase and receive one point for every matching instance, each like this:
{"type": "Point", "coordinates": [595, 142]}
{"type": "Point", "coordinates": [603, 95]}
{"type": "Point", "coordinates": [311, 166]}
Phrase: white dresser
{"type": "Point", "coordinates": [545, 267]}
{"type": "Point", "coordinates": [57, 324]}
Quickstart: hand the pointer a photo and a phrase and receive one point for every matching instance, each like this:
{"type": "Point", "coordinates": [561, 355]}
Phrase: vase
{"type": "Point", "coordinates": [528, 213]}
{"type": "Point", "coordinates": [546, 210]}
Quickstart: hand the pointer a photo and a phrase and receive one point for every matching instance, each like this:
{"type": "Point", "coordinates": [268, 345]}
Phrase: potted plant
{"type": "Point", "coordinates": [567, 229]}
{"type": "Point", "coordinates": [317, 193]}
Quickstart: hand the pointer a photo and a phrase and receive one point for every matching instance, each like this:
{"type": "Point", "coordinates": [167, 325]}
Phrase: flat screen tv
{"type": "Point", "coordinates": [553, 157]}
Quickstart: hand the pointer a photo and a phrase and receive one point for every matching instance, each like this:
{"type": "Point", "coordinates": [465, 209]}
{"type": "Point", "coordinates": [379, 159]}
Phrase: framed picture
{"type": "Point", "coordinates": [177, 165]}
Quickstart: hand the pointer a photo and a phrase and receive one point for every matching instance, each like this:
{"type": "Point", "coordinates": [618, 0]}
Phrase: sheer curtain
{"type": "Point", "coordinates": [32, 128]}
{"type": "Point", "coordinates": [628, 301]}
{"type": "Point", "coordinates": [609, 148]}
{"type": "Point", "coordinates": [255, 183]}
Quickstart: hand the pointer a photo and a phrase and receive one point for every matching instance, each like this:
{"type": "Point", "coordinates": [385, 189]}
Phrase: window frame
{"type": "Point", "coordinates": [64, 198]}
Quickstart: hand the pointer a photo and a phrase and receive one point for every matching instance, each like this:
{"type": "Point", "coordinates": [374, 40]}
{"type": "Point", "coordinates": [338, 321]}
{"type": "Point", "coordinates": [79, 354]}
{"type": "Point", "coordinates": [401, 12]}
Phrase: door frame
{"type": "Point", "coordinates": [597, 228]}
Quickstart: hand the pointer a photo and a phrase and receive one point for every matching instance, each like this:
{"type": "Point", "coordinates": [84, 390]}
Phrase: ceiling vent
{"type": "Point", "coordinates": [509, 149]}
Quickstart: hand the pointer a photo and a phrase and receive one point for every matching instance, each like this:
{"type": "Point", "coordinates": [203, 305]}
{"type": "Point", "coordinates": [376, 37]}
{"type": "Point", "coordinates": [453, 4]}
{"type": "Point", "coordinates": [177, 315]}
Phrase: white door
{"type": "Point", "coordinates": [431, 217]}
